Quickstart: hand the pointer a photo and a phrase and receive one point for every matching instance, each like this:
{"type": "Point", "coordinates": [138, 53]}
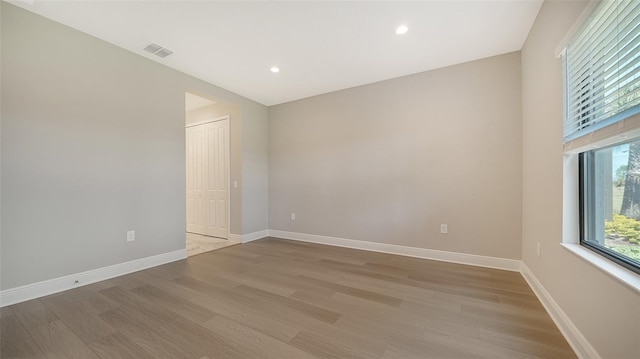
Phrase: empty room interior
{"type": "Point", "coordinates": [319, 179]}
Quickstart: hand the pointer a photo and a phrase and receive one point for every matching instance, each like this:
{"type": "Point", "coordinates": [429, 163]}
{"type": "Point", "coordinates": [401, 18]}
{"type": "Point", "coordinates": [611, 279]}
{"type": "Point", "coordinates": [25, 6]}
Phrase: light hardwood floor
{"type": "Point", "coordinates": [198, 243]}
{"type": "Point", "coordinates": [274, 298]}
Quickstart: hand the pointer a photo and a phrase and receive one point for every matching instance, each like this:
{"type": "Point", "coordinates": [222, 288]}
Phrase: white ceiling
{"type": "Point", "coordinates": [319, 46]}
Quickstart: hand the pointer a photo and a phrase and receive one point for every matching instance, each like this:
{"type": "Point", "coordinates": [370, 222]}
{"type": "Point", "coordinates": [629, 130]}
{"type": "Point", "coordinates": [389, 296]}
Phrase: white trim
{"type": "Point", "coordinates": [215, 119]}
{"type": "Point", "coordinates": [572, 334]}
{"type": "Point", "coordinates": [51, 286]}
{"type": "Point", "coordinates": [250, 237]}
{"type": "Point", "coordinates": [461, 258]}
{"type": "Point", "coordinates": [228, 169]}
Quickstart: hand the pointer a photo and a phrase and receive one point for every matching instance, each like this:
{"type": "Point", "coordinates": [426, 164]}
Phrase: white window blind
{"type": "Point", "coordinates": [602, 69]}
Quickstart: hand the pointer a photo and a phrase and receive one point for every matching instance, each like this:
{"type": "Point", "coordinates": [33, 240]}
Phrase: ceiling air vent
{"type": "Point", "coordinates": [158, 50]}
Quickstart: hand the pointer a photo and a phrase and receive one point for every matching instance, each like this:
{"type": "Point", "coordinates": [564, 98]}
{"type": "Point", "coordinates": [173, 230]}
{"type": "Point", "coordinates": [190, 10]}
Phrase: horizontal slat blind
{"type": "Point", "coordinates": [602, 69]}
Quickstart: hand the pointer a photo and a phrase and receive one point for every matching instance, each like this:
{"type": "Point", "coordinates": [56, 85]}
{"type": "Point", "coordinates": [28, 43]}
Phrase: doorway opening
{"type": "Point", "coordinates": [208, 176]}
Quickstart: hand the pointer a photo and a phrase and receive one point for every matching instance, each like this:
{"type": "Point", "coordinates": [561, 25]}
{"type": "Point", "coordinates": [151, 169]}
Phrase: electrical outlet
{"type": "Point", "coordinates": [444, 229]}
{"type": "Point", "coordinates": [293, 216]}
{"type": "Point", "coordinates": [538, 249]}
{"type": "Point", "coordinates": [235, 184]}
{"type": "Point", "coordinates": [131, 236]}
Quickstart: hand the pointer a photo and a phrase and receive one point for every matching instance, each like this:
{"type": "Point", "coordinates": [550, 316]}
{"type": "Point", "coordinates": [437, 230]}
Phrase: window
{"type": "Point", "coordinates": [602, 98]}
{"type": "Point", "coordinates": [602, 69]}
{"type": "Point", "coordinates": [610, 202]}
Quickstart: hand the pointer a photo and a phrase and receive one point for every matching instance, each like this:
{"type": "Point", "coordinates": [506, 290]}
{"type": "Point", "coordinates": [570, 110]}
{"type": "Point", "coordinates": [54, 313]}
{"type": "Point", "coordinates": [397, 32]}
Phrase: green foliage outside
{"type": "Point", "coordinates": [627, 228]}
{"type": "Point", "coordinates": [623, 226]}
{"type": "Point", "coordinates": [629, 251]}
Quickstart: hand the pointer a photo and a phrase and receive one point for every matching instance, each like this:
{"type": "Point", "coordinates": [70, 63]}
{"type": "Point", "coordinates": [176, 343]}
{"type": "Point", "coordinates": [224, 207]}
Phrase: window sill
{"type": "Point", "coordinates": [622, 274]}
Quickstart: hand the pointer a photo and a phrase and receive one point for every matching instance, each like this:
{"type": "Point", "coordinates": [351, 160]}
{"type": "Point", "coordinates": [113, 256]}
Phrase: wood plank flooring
{"type": "Point", "coordinates": [274, 298]}
{"type": "Point", "coordinates": [198, 243]}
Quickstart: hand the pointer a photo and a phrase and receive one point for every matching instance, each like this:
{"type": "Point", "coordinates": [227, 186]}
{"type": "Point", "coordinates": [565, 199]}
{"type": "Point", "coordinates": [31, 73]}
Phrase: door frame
{"type": "Point", "coordinates": [228, 162]}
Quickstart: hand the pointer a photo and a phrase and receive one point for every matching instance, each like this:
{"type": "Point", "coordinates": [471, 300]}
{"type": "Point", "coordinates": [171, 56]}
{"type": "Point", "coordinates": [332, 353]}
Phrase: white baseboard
{"type": "Point", "coordinates": [250, 237]}
{"type": "Point", "coordinates": [235, 237]}
{"type": "Point", "coordinates": [572, 334]}
{"type": "Point", "coordinates": [461, 258]}
{"type": "Point", "coordinates": [51, 286]}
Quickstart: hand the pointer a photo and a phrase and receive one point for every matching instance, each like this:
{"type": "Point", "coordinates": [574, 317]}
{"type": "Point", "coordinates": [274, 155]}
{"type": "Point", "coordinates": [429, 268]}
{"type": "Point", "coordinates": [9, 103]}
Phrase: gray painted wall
{"type": "Point", "coordinates": [605, 311]}
{"type": "Point", "coordinates": [255, 171]}
{"type": "Point", "coordinates": [82, 162]}
{"type": "Point", "coordinates": [93, 145]}
{"type": "Point", "coordinates": [389, 162]}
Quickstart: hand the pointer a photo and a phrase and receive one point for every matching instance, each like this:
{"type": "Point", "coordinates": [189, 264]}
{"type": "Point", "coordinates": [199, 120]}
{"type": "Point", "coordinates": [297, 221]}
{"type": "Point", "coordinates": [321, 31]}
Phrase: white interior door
{"type": "Point", "coordinates": [208, 178]}
{"type": "Point", "coordinates": [195, 180]}
{"type": "Point", "coordinates": [217, 206]}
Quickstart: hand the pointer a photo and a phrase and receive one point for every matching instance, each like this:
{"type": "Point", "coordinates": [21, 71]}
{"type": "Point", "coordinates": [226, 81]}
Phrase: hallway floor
{"type": "Point", "coordinates": [197, 243]}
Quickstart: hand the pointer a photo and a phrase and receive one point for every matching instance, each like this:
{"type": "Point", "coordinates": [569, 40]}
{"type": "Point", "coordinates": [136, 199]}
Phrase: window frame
{"type": "Point", "coordinates": [586, 192]}
{"type": "Point", "coordinates": [591, 55]}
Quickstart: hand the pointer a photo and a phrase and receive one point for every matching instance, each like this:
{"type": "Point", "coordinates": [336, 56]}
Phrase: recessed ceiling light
{"type": "Point", "coordinates": [402, 29]}
{"type": "Point", "coordinates": [275, 69]}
